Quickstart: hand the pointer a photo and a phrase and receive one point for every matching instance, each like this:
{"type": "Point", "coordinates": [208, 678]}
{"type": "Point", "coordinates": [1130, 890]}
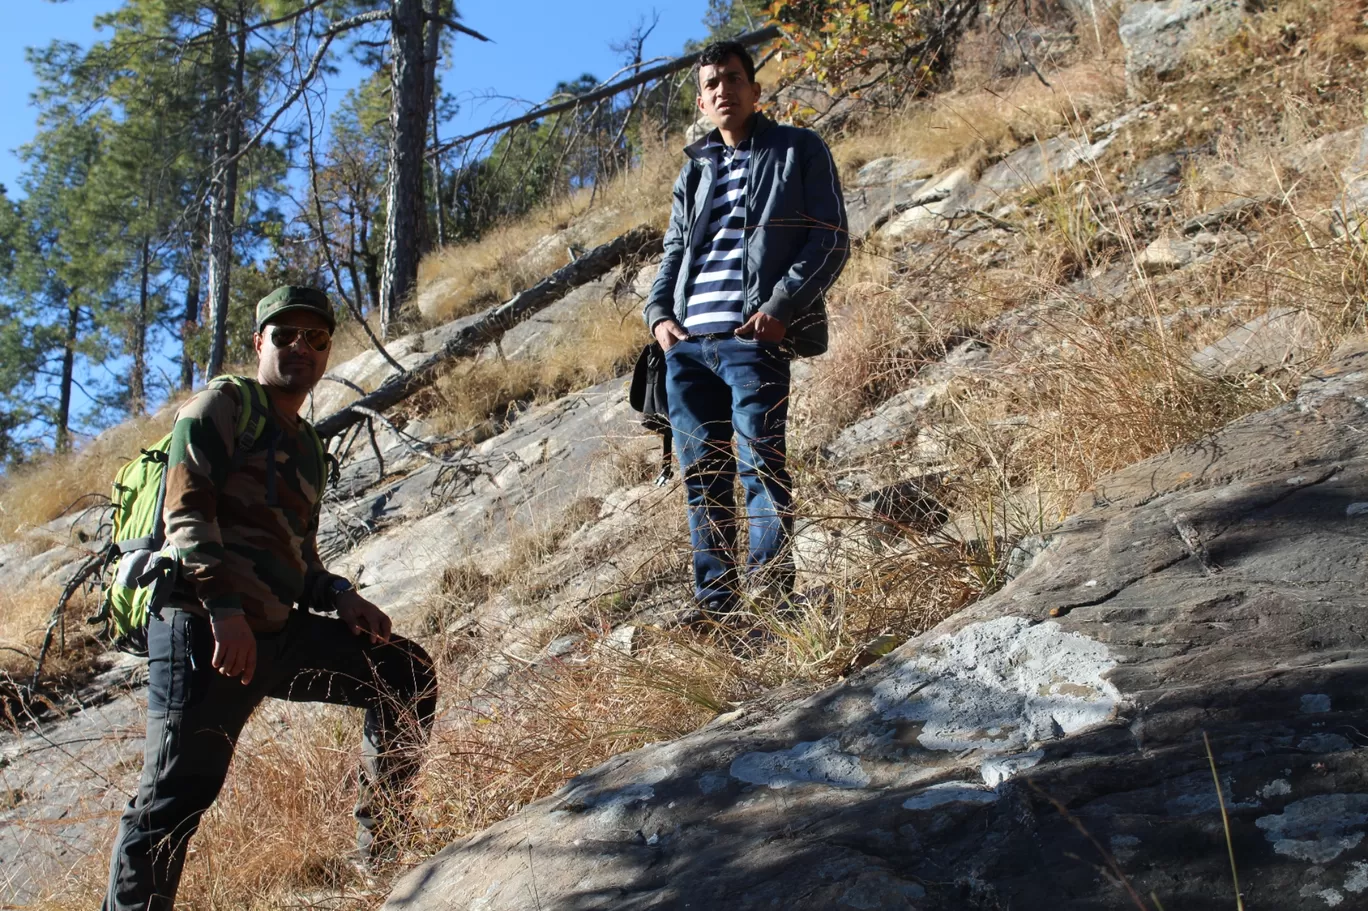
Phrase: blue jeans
{"type": "Point", "coordinates": [725, 389]}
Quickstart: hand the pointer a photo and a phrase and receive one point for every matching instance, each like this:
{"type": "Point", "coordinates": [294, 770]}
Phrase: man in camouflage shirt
{"type": "Point", "coordinates": [241, 625]}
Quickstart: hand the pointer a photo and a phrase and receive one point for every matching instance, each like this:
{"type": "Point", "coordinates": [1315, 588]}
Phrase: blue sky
{"type": "Point", "coordinates": [537, 43]}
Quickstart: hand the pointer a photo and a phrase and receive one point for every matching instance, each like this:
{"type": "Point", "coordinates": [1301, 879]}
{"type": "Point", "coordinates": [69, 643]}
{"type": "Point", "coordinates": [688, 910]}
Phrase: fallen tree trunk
{"type": "Point", "coordinates": [493, 325]}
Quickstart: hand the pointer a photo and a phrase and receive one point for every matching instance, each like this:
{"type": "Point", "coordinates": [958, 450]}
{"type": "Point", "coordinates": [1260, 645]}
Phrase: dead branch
{"type": "Point", "coordinates": [494, 323]}
{"type": "Point", "coordinates": [88, 568]}
{"type": "Point", "coordinates": [453, 24]}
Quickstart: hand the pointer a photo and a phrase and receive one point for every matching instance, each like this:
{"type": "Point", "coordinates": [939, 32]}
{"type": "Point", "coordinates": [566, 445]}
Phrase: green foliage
{"type": "Point", "coordinates": [883, 49]}
{"type": "Point", "coordinates": [729, 18]}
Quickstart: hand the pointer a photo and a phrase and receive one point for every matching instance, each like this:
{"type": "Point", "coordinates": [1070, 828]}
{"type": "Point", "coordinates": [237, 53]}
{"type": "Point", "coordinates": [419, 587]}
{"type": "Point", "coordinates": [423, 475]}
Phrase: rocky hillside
{"type": "Point", "coordinates": [1071, 272]}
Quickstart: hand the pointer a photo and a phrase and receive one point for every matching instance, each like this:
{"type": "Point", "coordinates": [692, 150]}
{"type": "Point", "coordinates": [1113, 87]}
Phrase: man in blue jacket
{"type": "Point", "coordinates": [757, 235]}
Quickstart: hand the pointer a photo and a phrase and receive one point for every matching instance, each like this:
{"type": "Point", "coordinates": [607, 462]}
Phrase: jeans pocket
{"type": "Point", "coordinates": [171, 662]}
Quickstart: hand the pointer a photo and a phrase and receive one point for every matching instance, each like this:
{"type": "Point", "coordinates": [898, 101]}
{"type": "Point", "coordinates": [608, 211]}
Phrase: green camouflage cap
{"type": "Point", "coordinates": [295, 297]}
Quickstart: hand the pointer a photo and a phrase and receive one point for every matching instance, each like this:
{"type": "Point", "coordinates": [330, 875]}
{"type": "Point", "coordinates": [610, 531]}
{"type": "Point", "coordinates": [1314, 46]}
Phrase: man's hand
{"type": "Point", "coordinates": [235, 649]}
{"type": "Point", "coordinates": [362, 617]}
{"type": "Point", "coordinates": [763, 328]}
{"type": "Point", "coordinates": [667, 332]}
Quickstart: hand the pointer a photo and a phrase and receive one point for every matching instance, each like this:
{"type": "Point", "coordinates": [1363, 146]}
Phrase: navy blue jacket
{"type": "Point", "coordinates": [795, 233]}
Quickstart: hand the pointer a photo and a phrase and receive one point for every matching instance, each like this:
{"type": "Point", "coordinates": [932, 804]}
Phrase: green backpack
{"type": "Point", "coordinates": [144, 570]}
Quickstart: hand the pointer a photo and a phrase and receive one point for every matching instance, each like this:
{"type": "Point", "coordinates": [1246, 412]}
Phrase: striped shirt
{"type": "Point", "coordinates": [715, 294]}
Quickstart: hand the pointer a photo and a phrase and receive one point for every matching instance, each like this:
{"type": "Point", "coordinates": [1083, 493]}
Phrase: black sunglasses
{"type": "Point", "coordinates": [284, 337]}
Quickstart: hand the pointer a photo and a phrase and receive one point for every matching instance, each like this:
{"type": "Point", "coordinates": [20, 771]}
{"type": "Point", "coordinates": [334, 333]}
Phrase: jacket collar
{"type": "Point", "coordinates": [698, 150]}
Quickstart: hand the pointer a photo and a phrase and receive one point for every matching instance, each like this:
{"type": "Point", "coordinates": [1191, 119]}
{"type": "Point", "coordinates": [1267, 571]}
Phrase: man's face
{"type": "Point", "coordinates": [726, 96]}
{"type": "Point", "coordinates": [296, 367]}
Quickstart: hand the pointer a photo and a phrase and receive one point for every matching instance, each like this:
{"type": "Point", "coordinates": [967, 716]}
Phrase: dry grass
{"type": "Point", "coordinates": [24, 617]}
{"type": "Point", "coordinates": [968, 125]}
{"type": "Point", "coordinates": [464, 278]}
{"type": "Point", "coordinates": [34, 495]}
{"type": "Point", "coordinates": [598, 342]}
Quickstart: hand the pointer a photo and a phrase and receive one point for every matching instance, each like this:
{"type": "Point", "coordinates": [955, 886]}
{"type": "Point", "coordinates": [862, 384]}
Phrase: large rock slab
{"type": "Point", "coordinates": [62, 787]}
{"type": "Point", "coordinates": [1159, 37]}
{"type": "Point", "coordinates": [518, 482]}
{"type": "Point", "coordinates": [1034, 748]}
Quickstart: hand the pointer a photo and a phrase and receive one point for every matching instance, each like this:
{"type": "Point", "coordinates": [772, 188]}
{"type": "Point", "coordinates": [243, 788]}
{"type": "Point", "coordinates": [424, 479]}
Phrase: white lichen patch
{"type": "Point", "coordinates": [997, 769]}
{"type": "Point", "coordinates": [1331, 897]}
{"type": "Point", "coordinates": [1001, 686]}
{"type": "Point", "coordinates": [1324, 743]}
{"type": "Point", "coordinates": [1317, 829]}
{"type": "Point", "coordinates": [1315, 703]}
{"type": "Point", "coordinates": [814, 762]}
{"type": "Point", "coordinates": [1358, 878]}
{"type": "Point", "coordinates": [938, 795]}
{"type": "Point", "coordinates": [621, 797]}
{"type": "Point", "coordinates": [1278, 787]}
{"type": "Point", "coordinates": [1123, 846]}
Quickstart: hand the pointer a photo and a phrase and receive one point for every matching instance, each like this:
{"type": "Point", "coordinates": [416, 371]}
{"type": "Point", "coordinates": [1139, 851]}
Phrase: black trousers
{"type": "Point", "coordinates": [195, 714]}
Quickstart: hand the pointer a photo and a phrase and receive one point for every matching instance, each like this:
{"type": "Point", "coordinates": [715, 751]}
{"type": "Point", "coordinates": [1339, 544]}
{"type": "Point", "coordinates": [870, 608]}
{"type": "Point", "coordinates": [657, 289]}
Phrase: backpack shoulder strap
{"type": "Point", "coordinates": [252, 419]}
{"type": "Point", "coordinates": [320, 453]}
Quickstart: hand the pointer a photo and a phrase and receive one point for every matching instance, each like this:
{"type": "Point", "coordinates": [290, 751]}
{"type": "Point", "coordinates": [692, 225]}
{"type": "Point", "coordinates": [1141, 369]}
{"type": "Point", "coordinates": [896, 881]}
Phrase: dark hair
{"type": "Point", "coordinates": [717, 53]}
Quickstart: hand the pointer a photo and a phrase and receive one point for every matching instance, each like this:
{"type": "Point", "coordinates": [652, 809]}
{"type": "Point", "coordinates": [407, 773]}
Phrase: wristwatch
{"type": "Point", "coordinates": [339, 586]}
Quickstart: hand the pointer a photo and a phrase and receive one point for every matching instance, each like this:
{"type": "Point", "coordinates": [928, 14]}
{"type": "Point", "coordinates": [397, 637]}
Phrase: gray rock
{"type": "Point", "coordinates": [1036, 167]}
{"type": "Point", "coordinates": [65, 785]}
{"type": "Point", "coordinates": [1155, 178]}
{"type": "Point", "coordinates": [942, 197]}
{"type": "Point", "coordinates": [555, 250]}
{"type": "Point", "coordinates": [1333, 152]}
{"type": "Point", "coordinates": [1235, 213]}
{"type": "Point", "coordinates": [1166, 254]}
{"type": "Point", "coordinates": [1350, 210]}
{"type": "Point", "coordinates": [523, 479]}
{"type": "Point", "coordinates": [897, 419]}
{"type": "Point", "coordinates": [1277, 339]}
{"type": "Point", "coordinates": [1208, 590]}
{"type": "Point", "coordinates": [1159, 36]}
{"type": "Point", "coordinates": [869, 207]}
{"type": "Point", "coordinates": [909, 506]}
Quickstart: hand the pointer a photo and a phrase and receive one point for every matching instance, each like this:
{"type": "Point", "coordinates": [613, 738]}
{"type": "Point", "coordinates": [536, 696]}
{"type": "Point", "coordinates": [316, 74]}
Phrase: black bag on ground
{"type": "Point", "coordinates": [648, 397]}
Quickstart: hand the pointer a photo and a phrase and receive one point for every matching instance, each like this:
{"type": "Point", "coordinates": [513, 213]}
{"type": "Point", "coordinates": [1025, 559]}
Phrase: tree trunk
{"type": "Point", "coordinates": [369, 265]}
{"type": "Point", "coordinates": [404, 207]}
{"type": "Point", "coordinates": [190, 318]}
{"type": "Point", "coordinates": [437, 202]}
{"type": "Point", "coordinates": [137, 375]}
{"type": "Point", "coordinates": [63, 440]}
{"type": "Point", "coordinates": [229, 65]}
{"type": "Point", "coordinates": [432, 48]}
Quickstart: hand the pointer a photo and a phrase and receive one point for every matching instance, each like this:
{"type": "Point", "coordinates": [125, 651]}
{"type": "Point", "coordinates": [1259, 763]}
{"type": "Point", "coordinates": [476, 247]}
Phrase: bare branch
{"type": "Point", "coordinates": [760, 36]}
{"type": "Point", "coordinates": [327, 35]}
{"type": "Point", "coordinates": [453, 24]}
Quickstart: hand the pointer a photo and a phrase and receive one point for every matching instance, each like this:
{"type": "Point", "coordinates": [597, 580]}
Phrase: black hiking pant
{"type": "Point", "coordinates": [195, 714]}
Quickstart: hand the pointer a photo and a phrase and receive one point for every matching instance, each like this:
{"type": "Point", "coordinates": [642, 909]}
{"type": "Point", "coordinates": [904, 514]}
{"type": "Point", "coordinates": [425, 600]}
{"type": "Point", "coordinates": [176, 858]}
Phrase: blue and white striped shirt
{"type": "Point", "coordinates": [715, 294]}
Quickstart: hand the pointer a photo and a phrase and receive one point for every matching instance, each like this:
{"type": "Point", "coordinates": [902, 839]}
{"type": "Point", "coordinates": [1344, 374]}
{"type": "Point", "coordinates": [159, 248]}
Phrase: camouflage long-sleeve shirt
{"type": "Point", "coordinates": [242, 549]}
